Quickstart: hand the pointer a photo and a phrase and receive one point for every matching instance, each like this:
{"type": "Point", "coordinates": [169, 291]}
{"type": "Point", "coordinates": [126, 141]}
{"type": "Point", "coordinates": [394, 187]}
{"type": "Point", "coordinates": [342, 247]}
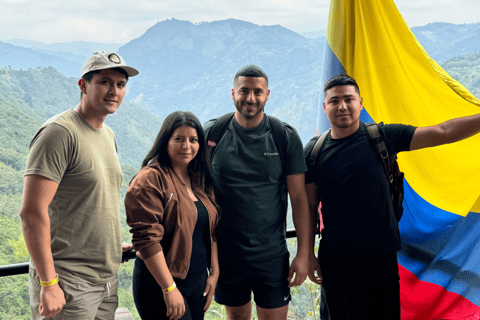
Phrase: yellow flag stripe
{"type": "Point", "coordinates": [400, 83]}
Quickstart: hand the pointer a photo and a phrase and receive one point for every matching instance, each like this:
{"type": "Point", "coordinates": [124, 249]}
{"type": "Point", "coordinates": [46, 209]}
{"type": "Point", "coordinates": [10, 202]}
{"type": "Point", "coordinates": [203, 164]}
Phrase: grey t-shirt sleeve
{"type": "Point", "coordinates": [295, 162]}
{"type": "Point", "coordinates": [49, 152]}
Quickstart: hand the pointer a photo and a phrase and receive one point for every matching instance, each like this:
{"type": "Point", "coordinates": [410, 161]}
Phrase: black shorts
{"type": "Point", "coordinates": [267, 278]}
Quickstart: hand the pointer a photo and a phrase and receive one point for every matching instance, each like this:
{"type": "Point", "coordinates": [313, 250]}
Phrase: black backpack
{"type": "Point", "coordinates": [389, 161]}
{"type": "Point", "coordinates": [221, 124]}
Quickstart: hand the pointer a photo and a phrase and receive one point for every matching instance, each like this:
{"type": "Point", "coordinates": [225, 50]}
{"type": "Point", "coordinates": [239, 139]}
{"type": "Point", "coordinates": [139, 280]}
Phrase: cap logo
{"type": "Point", "coordinates": [114, 58]}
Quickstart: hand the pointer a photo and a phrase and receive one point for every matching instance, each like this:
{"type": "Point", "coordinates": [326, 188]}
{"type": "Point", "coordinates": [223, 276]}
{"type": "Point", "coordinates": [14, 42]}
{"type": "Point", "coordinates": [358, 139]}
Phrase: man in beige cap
{"type": "Point", "coordinates": [71, 201]}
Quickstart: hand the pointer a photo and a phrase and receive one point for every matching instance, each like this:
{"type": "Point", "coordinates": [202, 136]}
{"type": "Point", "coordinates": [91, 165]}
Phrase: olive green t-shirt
{"type": "Point", "coordinates": [85, 211]}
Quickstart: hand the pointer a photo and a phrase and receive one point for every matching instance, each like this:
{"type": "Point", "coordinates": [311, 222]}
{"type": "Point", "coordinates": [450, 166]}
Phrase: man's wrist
{"type": "Point", "coordinates": [303, 251]}
{"type": "Point", "coordinates": [49, 283]}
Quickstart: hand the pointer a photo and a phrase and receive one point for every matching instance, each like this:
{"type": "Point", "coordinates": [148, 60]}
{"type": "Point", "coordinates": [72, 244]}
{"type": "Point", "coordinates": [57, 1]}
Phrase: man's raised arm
{"type": "Point", "coordinates": [447, 132]}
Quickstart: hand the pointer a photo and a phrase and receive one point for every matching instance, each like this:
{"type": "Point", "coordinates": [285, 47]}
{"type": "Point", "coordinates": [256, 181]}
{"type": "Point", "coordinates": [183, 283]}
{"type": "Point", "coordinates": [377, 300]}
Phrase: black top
{"type": "Point", "coordinates": [250, 188]}
{"type": "Point", "coordinates": [356, 206]}
{"type": "Point", "coordinates": [201, 245]}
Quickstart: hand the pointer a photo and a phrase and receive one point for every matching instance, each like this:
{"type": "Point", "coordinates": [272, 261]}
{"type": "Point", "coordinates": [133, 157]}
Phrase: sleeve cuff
{"type": "Point", "coordinates": [151, 250]}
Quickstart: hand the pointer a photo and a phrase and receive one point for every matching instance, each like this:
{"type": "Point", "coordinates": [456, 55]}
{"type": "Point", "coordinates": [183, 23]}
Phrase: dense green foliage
{"type": "Point", "coordinates": [466, 70]}
{"type": "Point", "coordinates": [28, 98]}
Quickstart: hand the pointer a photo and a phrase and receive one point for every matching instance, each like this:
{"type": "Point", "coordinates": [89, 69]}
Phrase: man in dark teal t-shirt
{"type": "Point", "coordinates": [250, 188]}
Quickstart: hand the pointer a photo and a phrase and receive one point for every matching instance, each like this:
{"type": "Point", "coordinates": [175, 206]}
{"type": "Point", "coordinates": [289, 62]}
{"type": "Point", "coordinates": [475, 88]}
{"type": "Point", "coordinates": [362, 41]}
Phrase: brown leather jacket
{"type": "Point", "coordinates": [162, 216]}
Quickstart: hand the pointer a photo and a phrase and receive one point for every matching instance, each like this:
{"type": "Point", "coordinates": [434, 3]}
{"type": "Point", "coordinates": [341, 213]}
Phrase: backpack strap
{"type": "Point", "coordinates": [216, 133]}
{"type": "Point", "coordinates": [315, 153]}
{"type": "Point", "coordinates": [317, 148]}
{"type": "Point", "coordinates": [377, 140]}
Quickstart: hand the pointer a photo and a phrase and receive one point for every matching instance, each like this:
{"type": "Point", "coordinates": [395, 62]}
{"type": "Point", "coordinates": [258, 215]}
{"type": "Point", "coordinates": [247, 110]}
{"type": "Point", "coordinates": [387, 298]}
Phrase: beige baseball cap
{"type": "Point", "coordinates": [107, 60]}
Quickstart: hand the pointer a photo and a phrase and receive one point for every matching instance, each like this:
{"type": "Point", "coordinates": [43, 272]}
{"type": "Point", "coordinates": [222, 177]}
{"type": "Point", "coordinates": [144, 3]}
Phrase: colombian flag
{"type": "Point", "coordinates": [440, 260]}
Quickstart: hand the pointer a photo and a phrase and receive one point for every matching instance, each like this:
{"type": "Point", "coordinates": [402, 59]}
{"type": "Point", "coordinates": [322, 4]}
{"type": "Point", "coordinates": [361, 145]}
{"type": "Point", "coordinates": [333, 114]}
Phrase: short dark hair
{"type": "Point", "coordinates": [89, 76]}
{"type": "Point", "coordinates": [340, 80]}
{"type": "Point", "coordinates": [198, 167]}
{"type": "Point", "coordinates": [250, 71]}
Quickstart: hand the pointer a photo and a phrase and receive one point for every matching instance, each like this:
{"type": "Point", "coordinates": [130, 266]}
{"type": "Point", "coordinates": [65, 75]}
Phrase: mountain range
{"type": "Point", "coordinates": [187, 66]}
{"type": "Point", "coordinates": [444, 41]}
{"type": "Point", "coordinates": [68, 58]}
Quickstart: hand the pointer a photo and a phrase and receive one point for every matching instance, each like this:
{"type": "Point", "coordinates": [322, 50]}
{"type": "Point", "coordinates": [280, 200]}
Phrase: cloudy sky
{"type": "Point", "coordinates": [120, 21]}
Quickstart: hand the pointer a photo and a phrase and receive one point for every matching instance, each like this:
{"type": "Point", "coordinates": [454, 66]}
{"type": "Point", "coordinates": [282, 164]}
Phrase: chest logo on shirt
{"type": "Point", "coordinates": [271, 154]}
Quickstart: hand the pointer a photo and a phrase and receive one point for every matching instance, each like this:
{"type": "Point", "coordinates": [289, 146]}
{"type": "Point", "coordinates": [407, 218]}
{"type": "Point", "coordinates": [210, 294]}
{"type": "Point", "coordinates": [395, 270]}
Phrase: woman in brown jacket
{"type": "Point", "coordinates": [172, 214]}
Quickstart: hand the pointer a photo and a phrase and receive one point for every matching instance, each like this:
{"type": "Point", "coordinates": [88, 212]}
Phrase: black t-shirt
{"type": "Point", "coordinates": [356, 205]}
{"type": "Point", "coordinates": [250, 189]}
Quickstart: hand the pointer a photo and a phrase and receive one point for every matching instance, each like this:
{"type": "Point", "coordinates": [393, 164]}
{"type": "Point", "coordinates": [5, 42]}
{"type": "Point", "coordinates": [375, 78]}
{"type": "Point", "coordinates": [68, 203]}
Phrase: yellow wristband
{"type": "Point", "coordinates": [49, 283]}
{"type": "Point", "coordinates": [169, 289]}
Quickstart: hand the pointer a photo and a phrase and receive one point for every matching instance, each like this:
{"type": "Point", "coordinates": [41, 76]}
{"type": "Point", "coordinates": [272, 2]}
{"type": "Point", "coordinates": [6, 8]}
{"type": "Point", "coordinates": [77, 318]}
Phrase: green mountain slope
{"type": "Point", "coordinates": [466, 70]}
{"type": "Point", "coordinates": [32, 96]}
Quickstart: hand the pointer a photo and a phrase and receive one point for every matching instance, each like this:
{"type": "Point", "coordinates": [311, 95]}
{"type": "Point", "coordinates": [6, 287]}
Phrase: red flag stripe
{"type": "Point", "coordinates": [427, 301]}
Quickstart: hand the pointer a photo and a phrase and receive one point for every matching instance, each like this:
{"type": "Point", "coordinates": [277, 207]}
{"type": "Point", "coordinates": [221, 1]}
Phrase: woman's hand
{"type": "Point", "coordinates": [175, 304]}
{"type": "Point", "coordinates": [211, 283]}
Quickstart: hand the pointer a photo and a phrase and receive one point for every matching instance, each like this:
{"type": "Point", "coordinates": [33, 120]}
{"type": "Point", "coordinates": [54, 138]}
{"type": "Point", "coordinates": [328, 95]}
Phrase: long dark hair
{"type": "Point", "coordinates": [198, 167]}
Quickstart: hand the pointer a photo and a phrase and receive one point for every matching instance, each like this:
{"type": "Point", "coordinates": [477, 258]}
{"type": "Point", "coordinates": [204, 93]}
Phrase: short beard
{"type": "Point", "coordinates": [248, 116]}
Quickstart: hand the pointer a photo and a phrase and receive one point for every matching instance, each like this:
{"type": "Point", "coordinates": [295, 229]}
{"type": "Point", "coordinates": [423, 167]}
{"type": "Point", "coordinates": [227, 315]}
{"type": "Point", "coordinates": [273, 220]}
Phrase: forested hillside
{"type": "Point", "coordinates": [187, 66]}
{"type": "Point", "coordinates": [34, 95]}
{"type": "Point", "coordinates": [466, 70]}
